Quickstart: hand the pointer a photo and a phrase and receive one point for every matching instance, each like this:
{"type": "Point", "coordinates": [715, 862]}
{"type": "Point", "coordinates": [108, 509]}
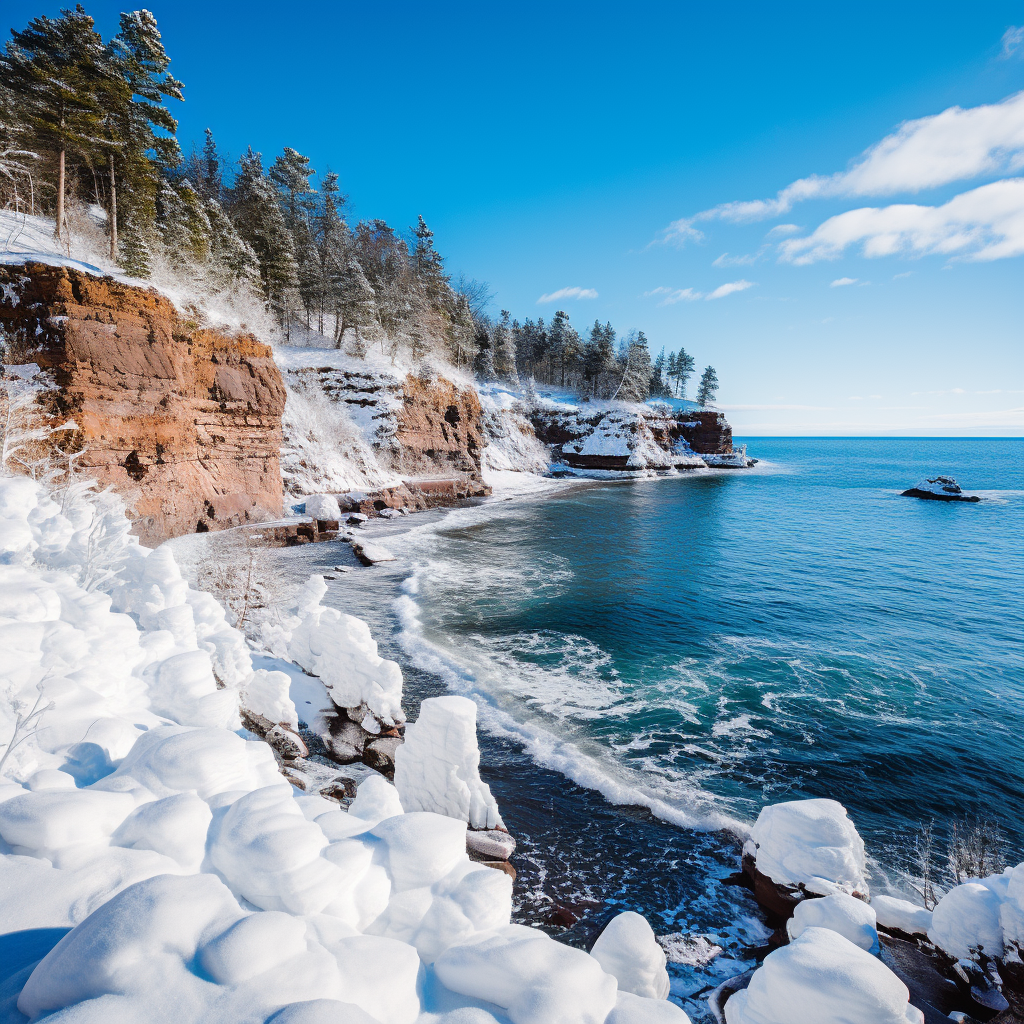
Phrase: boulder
{"type": "Point", "coordinates": [490, 844]}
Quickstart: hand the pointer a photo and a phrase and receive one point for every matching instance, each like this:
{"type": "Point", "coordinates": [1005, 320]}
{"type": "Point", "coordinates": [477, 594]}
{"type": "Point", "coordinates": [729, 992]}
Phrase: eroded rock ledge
{"type": "Point", "coordinates": [183, 420]}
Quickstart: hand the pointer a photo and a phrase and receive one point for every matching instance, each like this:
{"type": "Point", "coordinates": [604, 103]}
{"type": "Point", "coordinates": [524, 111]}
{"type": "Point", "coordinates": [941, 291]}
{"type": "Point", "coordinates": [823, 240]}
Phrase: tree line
{"type": "Point", "coordinates": [85, 121]}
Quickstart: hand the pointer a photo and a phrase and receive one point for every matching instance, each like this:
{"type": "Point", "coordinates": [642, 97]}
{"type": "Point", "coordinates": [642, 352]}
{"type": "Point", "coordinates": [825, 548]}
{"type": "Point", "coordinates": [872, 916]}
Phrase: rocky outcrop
{"type": "Point", "coordinates": [628, 437]}
{"type": "Point", "coordinates": [402, 442]}
{"type": "Point", "coordinates": [184, 420]}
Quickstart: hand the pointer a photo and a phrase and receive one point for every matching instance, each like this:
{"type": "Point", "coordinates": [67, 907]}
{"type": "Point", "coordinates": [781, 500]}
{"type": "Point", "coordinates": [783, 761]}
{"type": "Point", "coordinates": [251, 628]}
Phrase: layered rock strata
{"type": "Point", "coordinates": [183, 420]}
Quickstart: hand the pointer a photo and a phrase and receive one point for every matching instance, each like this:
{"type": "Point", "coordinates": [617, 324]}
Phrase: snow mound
{"type": "Point", "coordinates": [438, 767]}
{"type": "Point", "coordinates": [339, 649]}
{"type": "Point", "coordinates": [628, 950]}
{"type": "Point", "coordinates": [966, 920]}
{"type": "Point", "coordinates": [852, 918]}
{"type": "Point", "coordinates": [822, 978]}
{"type": "Point", "coordinates": [901, 915]}
{"type": "Point", "coordinates": [810, 843]}
{"type": "Point", "coordinates": [323, 506]}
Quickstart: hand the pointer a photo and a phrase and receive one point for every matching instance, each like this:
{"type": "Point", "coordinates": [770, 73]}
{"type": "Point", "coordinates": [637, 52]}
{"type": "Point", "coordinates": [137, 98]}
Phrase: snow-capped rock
{"type": "Point", "coordinates": [438, 767]}
{"type": "Point", "coordinates": [940, 488]}
{"type": "Point", "coordinates": [810, 844]}
{"type": "Point", "coordinates": [852, 918]}
{"type": "Point", "coordinates": [628, 950]}
{"type": "Point", "coordinates": [901, 915]}
{"type": "Point", "coordinates": [822, 978]}
{"type": "Point", "coordinates": [323, 506]}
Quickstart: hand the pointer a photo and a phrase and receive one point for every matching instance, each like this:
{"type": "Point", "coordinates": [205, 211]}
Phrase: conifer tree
{"type": "Point", "coordinates": [257, 217]}
{"type": "Point", "coordinates": [355, 307]}
{"type": "Point", "coordinates": [135, 254]}
{"type": "Point", "coordinates": [505, 349]}
{"type": "Point", "coordinates": [708, 387]}
{"type": "Point", "coordinates": [53, 68]}
{"type": "Point", "coordinates": [484, 362]}
{"type": "Point", "coordinates": [232, 259]}
{"type": "Point", "coordinates": [184, 223]}
{"type": "Point", "coordinates": [140, 128]}
{"type": "Point", "coordinates": [636, 376]}
{"type": "Point", "coordinates": [428, 263]}
{"type": "Point", "coordinates": [291, 172]}
{"type": "Point", "coordinates": [208, 176]}
{"type": "Point", "coordinates": [684, 370]}
{"type": "Point", "coordinates": [658, 388]}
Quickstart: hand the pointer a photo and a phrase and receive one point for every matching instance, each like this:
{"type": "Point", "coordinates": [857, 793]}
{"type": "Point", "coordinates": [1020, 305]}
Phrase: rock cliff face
{"type": "Point", "coordinates": [183, 420]}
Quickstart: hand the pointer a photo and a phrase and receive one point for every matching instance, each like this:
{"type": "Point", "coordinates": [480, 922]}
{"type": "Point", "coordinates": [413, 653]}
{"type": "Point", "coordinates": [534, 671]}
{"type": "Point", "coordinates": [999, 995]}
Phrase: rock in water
{"type": "Point", "coordinates": [941, 488]}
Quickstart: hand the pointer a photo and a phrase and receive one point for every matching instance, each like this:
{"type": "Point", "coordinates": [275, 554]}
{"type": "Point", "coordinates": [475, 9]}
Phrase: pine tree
{"type": "Point", "coordinates": [708, 387]}
{"type": "Point", "coordinates": [684, 370]}
{"type": "Point", "coordinates": [258, 219]}
{"type": "Point", "coordinates": [133, 90]}
{"type": "Point", "coordinates": [208, 176]}
{"type": "Point", "coordinates": [483, 362]}
{"type": "Point", "coordinates": [291, 172]}
{"type": "Point", "coordinates": [355, 306]}
{"type": "Point", "coordinates": [636, 377]}
{"type": "Point", "coordinates": [505, 349]}
{"type": "Point", "coordinates": [184, 224]}
{"type": "Point", "coordinates": [232, 260]}
{"type": "Point", "coordinates": [658, 388]}
{"type": "Point", "coordinates": [54, 67]}
{"type": "Point", "coordinates": [427, 262]}
{"type": "Point", "coordinates": [135, 254]}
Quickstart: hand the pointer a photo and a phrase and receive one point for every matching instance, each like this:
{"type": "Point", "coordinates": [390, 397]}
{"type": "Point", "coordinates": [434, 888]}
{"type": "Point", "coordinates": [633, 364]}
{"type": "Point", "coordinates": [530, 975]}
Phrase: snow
{"type": "Point", "coordinates": [810, 843]}
{"type": "Point", "coordinates": [822, 978]}
{"type": "Point", "coordinates": [372, 552]}
{"type": "Point", "coordinates": [438, 767]}
{"type": "Point", "coordinates": [323, 506]}
{"type": "Point", "coordinates": [339, 649]}
{"type": "Point", "coordinates": [852, 918]}
{"type": "Point", "coordinates": [901, 915]}
{"type": "Point", "coordinates": [193, 882]}
{"type": "Point", "coordinates": [628, 950]}
{"type": "Point", "coordinates": [965, 920]}
{"type": "Point", "coordinates": [941, 485]}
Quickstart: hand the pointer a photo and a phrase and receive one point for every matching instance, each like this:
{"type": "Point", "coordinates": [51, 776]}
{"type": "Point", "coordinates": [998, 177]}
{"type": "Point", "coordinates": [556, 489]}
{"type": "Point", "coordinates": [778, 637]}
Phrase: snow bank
{"type": "Point", "coordinates": [852, 918]}
{"type": "Point", "coordinates": [901, 915]}
{"type": "Point", "coordinates": [810, 843]}
{"type": "Point", "coordinates": [339, 649]}
{"type": "Point", "coordinates": [822, 978]}
{"type": "Point", "coordinates": [438, 767]}
{"type": "Point", "coordinates": [628, 950]}
{"type": "Point", "coordinates": [196, 884]}
{"type": "Point", "coordinates": [512, 446]}
{"type": "Point", "coordinates": [967, 920]}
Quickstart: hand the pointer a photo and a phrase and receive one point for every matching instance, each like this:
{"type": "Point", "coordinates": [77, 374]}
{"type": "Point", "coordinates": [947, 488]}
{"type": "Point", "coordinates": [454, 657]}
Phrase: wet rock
{"type": "Point", "coordinates": [287, 744]}
{"type": "Point", "coordinates": [492, 844]}
{"type": "Point", "coordinates": [379, 753]}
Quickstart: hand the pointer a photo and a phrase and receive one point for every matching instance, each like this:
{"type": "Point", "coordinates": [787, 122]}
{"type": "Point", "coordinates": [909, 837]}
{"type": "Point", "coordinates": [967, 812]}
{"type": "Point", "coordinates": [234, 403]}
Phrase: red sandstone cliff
{"type": "Point", "coordinates": [183, 420]}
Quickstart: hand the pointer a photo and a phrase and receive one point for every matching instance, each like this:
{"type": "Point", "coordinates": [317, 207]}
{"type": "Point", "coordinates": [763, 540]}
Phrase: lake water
{"type": "Point", "coordinates": [656, 660]}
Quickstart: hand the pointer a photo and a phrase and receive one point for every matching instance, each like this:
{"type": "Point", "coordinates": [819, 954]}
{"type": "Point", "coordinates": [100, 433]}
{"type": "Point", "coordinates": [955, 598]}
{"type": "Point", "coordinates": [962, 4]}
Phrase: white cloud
{"type": "Point", "coordinates": [842, 282]}
{"type": "Point", "coordinates": [727, 289]}
{"type": "Point", "coordinates": [984, 224]}
{"type": "Point", "coordinates": [568, 293]}
{"type": "Point", "coordinates": [782, 230]}
{"type": "Point", "coordinates": [955, 145]}
{"type": "Point", "coordinates": [725, 260]}
{"type": "Point", "coordinates": [1012, 39]}
{"type": "Point", "coordinates": [670, 296]}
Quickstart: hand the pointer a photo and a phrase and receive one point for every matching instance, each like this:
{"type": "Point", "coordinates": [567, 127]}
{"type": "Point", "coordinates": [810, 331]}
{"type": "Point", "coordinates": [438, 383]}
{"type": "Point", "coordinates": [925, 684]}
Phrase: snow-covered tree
{"type": "Point", "coordinates": [505, 349]}
{"type": "Point", "coordinates": [708, 387]}
{"type": "Point", "coordinates": [636, 376]}
{"type": "Point", "coordinates": [184, 223]}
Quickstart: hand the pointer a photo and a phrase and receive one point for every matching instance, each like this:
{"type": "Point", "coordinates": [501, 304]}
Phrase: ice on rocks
{"type": "Point", "coordinates": [339, 649]}
{"type": "Point", "coordinates": [852, 918]}
{"type": "Point", "coordinates": [438, 767]}
{"type": "Point", "coordinates": [901, 915]}
{"type": "Point", "coordinates": [810, 843]}
{"type": "Point", "coordinates": [628, 950]}
{"type": "Point", "coordinates": [822, 978]}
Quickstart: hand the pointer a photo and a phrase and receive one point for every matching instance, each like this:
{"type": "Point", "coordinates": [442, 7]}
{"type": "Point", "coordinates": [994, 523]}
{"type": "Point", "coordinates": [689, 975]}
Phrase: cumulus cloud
{"type": "Point", "coordinates": [842, 282]}
{"type": "Point", "coordinates": [955, 145]}
{"type": "Point", "coordinates": [670, 296]}
{"type": "Point", "coordinates": [984, 224]}
{"type": "Point", "coordinates": [1012, 39]}
{"type": "Point", "coordinates": [568, 293]}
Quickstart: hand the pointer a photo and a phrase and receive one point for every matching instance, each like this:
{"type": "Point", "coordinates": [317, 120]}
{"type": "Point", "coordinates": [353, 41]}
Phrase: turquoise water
{"type": "Point", "coordinates": [656, 660]}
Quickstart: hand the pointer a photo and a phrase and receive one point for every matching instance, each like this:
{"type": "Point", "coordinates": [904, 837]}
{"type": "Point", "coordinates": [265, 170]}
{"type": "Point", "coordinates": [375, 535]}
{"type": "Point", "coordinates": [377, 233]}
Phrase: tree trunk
{"type": "Point", "coordinates": [58, 226]}
{"type": "Point", "coordinates": [112, 215]}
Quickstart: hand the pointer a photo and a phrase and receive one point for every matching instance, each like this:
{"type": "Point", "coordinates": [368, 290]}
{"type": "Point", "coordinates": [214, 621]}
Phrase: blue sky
{"type": "Point", "coordinates": [551, 146]}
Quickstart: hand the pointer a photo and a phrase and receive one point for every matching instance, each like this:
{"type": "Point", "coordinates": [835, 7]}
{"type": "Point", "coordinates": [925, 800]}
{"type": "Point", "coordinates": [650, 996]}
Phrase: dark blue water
{"type": "Point", "coordinates": [695, 647]}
